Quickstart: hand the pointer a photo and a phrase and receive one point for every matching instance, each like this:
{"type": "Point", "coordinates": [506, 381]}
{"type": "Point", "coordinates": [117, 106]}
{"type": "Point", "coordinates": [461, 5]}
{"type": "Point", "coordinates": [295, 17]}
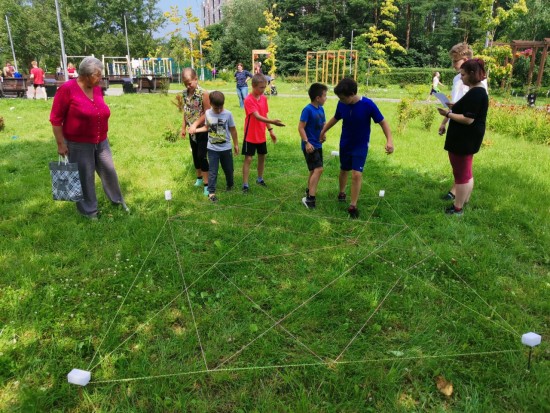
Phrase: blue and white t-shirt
{"type": "Point", "coordinates": [219, 137]}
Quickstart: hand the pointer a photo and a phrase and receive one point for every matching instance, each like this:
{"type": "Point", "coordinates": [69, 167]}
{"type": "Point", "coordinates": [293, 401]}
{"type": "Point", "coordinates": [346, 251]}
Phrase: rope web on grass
{"type": "Point", "coordinates": [305, 323]}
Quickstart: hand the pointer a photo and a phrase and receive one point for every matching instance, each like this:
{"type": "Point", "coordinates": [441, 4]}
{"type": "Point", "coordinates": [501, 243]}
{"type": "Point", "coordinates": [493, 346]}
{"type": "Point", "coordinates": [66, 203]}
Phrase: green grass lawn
{"type": "Point", "coordinates": [258, 304]}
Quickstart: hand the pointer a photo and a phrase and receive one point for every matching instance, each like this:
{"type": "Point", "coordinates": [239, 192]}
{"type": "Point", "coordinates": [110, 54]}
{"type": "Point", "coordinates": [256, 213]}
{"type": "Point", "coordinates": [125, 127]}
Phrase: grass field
{"type": "Point", "coordinates": [257, 304]}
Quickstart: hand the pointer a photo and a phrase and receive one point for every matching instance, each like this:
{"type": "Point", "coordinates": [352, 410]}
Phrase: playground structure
{"type": "Point", "coordinates": [331, 66]}
{"type": "Point", "coordinates": [518, 45]}
{"type": "Point", "coordinates": [117, 68]}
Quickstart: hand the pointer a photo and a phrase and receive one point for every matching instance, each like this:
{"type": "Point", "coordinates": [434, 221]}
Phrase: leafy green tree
{"type": "Point", "coordinates": [381, 37]}
{"type": "Point", "coordinates": [273, 23]}
{"type": "Point", "coordinates": [242, 18]}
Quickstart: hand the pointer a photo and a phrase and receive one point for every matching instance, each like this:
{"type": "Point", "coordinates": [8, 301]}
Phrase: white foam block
{"type": "Point", "coordinates": [79, 377]}
{"type": "Point", "coordinates": [381, 193]}
{"type": "Point", "coordinates": [531, 339]}
{"type": "Point", "coordinates": [168, 195]}
{"type": "Point", "coordinates": [335, 153]}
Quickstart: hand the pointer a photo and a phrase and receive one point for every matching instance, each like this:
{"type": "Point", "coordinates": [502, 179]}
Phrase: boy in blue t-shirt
{"type": "Point", "coordinates": [220, 125]}
{"type": "Point", "coordinates": [311, 123]}
{"type": "Point", "coordinates": [356, 113]}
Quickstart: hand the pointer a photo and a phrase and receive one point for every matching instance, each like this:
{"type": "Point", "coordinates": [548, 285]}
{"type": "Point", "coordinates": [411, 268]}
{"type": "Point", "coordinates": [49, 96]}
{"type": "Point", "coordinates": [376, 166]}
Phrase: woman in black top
{"type": "Point", "coordinates": [466, 131]}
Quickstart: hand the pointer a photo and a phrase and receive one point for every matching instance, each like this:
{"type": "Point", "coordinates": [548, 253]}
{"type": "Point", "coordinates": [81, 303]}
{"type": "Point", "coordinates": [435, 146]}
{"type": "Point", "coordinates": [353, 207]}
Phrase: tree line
{"type": "Point", "coordinates": [421, 31]}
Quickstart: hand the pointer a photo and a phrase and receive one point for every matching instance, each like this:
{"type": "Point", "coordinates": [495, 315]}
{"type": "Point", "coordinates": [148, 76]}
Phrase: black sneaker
{"type": "Point", "coordinates": [308, 203]}
{"type": "Point", "coordinates": [449, 196]}
{"type": "Point", "coordinates": [245, 189]}
{"type": "Point", "coordinates": [342, 197]}
{"type": "Point", "coordinates": [213, 198]}
{"type": "Point", "coordinates": [453, 211]}
{"type": "Point", "coordinates": [261, 183]}
{"type": "Point", "coordinates": [353, 212]}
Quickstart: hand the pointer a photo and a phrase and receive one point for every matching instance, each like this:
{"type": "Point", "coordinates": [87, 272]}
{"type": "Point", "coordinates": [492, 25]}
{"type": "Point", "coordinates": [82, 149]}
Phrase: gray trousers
{"type": "Point", "coordinates": [214, 159]}
{"type": "Point", "coordinates": [93, 158]}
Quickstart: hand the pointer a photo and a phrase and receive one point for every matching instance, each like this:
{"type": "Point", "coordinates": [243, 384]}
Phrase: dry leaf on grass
{"type": "Point", "coordinates": [213, 221]}
{"type": "Point", "coordinates": [445, 387]}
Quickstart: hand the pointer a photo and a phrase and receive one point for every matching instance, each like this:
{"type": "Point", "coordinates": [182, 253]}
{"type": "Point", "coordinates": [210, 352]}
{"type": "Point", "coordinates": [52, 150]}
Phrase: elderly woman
{"type": "Point", "coordinates": [466, 131]}
{"type": "Point", "coordinates": [79, 119]}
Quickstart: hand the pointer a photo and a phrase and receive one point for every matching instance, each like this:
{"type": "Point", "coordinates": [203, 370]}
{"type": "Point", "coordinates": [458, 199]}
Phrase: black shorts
{"type": "Point", "coordinates": [35, 85]}
{"type": "Point", "coordinates": [249, 149]}
{"type": "Point", "coordinates": [314, 159]}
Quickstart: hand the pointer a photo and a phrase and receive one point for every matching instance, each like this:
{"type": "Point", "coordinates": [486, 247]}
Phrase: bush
{"type": "Point", "coordinates": [520, 121]}
{"type": "Point", "coordinates": [417, 76]}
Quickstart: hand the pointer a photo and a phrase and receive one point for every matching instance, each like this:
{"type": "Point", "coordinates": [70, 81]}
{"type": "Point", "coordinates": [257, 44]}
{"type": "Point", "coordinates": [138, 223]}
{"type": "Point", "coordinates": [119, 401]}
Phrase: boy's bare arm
{"type": "Point", "coordinates": [276, 122]}
{"type": "Point", "coordinates": [326, 128]}
{"type": "Point", "coordinates": [233, 132]}
{"type": "Point", "coordinates": [203, 128]}
{"type": "Point", "coordinates": [302, 131]}
{"type": "Point", "coordinates": [389, 139]}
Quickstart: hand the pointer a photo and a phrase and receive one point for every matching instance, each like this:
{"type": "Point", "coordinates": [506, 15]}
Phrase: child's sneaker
{"type": "Point", "coordinates": [198, 182]}
{"type": "Point", "coordinates": [342, 197]}
{"type": "Point", "coordinates": [308, 203]}
{"type": "Point", "coordinates": [245, 189]}
{"type": "Point", "coordinates": [205, 191]}
{"type": "Point", "coordinates": [212, 198]}
{"type": "Point", "coordinates": [452, 210]}
{"type": "Point", "coordinates": [261, 183]}
{"type": "Point", "coordinates": [353, 212]}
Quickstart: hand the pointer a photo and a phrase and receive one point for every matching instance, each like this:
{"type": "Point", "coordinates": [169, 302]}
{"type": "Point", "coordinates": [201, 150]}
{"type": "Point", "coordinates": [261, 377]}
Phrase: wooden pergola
{"type": "Point", "coordinates": [522, 45]}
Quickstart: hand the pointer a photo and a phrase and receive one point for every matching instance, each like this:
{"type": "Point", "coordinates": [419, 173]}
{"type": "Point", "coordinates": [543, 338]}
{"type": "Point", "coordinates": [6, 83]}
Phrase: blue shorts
{"type": "Point", "coordinates": [349, 161]}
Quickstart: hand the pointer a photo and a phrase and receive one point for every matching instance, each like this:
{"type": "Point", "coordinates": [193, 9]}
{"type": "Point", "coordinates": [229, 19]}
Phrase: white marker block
{"type": "Point", "coordinates": [381, 193]}
{"type": "Point", "coordinates": [531, 339]}
{"type": "Point", "coordinates": [168, 195]}
{"type": "Point", "coordinates": [335, 153]}
{"type": "Point", "coordinates": [79, 377]}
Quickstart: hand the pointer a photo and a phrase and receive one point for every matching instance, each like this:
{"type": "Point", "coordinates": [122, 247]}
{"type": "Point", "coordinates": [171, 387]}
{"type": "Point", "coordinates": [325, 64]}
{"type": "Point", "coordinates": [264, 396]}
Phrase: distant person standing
{"type": "Point", "coordinates": [242, 77]}
{"type": "Point", "coordinates": [37, 76]}
{"type": "Point", "coordinates": [436, 81]}
{"type": "Point", "coordinates": [71, 71]}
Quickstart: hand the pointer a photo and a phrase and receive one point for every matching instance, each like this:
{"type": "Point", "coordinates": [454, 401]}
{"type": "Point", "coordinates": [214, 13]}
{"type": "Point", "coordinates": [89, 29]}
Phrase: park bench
{"type": "Point", "coordinates": [13, 87]}
{"type": "Point", "coordinates": [152, 84]}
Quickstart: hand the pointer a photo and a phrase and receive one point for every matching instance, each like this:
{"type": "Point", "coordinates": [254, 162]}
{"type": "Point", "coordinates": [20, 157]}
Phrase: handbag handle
{"type": "Point", "coordinates": [64, 159]}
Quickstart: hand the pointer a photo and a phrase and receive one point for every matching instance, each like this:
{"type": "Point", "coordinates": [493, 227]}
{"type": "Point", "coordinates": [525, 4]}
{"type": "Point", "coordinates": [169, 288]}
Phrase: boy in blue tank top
{"type": "Point", "coordinates": [311, 123]}
{"type": "Point", "coordinates": [356, 113]}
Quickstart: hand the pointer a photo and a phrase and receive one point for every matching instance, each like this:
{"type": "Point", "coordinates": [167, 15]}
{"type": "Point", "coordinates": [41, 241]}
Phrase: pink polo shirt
{"type": "Point", "coordinates": [83, 120]}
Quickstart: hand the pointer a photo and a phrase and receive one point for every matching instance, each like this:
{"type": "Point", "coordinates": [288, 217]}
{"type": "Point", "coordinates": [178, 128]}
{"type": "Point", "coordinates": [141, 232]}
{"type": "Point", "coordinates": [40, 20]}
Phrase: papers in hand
{"type": "Point", "coordinates": [442, 98]}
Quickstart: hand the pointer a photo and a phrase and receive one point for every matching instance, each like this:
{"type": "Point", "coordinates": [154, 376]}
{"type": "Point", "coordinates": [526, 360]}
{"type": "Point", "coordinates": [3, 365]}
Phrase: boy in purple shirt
{"type": "Point", "coordinates": [356, 113]}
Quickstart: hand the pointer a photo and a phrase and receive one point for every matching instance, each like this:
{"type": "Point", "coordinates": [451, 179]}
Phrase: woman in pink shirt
{"type": "Point", "coordinates": [79, 119]}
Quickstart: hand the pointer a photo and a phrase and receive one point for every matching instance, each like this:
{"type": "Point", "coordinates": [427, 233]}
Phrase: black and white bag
{"type": "Point", "coordinates": [65, 181]}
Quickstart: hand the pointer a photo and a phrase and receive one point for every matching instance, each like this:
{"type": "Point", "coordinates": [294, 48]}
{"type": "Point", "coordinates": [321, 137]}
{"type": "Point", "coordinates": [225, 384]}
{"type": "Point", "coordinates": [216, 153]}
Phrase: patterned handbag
{"type": "Point", "coordinates": [65, 181]}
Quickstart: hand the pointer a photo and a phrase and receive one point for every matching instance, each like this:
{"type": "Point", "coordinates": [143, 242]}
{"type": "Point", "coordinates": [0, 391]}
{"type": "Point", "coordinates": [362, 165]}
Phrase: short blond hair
{"type": "Point", "coordinates": [462, 50]}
